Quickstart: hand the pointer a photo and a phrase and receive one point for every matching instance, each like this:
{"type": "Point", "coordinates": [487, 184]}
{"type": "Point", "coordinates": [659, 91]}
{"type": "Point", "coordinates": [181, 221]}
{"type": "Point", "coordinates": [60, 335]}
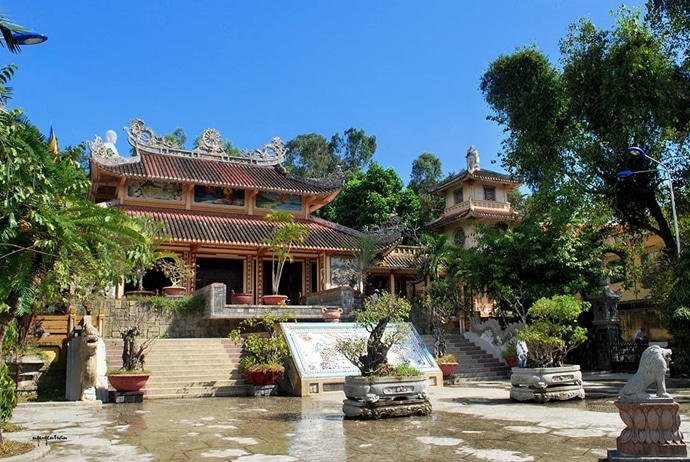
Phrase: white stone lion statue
{"type": "Point", "coordinates": [654, 364]}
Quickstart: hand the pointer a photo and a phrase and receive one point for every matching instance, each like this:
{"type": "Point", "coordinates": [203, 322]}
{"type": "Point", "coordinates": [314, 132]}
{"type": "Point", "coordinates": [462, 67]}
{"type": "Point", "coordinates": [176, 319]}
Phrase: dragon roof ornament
{"type": "Point", "coordinates": [210, 145]}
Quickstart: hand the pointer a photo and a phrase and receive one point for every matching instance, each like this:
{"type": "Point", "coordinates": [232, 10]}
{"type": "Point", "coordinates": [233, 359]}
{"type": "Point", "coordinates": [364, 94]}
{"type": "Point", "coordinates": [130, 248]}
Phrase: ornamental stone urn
{"type": "Point", "coordinates": [372, 397]}
{"type": "Point", "coordinates": [543, 384]}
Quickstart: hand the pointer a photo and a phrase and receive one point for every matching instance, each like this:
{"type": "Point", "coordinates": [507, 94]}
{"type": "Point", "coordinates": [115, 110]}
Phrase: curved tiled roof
{"type": "Point", "coordinates": [479, 175]}
{"type": "Point", "coordinates": [241, 230]}
{"type": "Point", "coordinates": [183, 169]}
{"type": "Point", "coordinates": [477, 213]}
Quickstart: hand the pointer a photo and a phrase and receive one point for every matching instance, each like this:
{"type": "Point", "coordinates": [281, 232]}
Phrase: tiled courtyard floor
{"type": "Point", "coordinates": [477, 422]}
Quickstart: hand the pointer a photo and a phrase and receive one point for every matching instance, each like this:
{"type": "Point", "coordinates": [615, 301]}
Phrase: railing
{"type": "Point", "coordinates": [477, 203]}
{"type": "Point", "coordinates": [625, 356]}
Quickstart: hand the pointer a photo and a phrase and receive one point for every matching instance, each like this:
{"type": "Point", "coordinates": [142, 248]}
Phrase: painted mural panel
{"type": "Point", "coordinates": [278, 201]}
{"type": "Point", "coordinates": [154, 190]}
{"type": "Point", "coordinates": [218, 195]}
{"type": "Point", "coordinates": [313, 347]}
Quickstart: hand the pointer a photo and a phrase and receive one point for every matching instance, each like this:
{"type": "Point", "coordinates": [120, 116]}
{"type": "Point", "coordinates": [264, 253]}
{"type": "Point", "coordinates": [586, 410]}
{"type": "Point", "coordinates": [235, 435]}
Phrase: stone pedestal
{"type": "Point", "coordinates": [262, 390]}
{"type": "Point", "coordinates": [371, 398]}
{"type": "Point", "coordinates": [545, 384]}
{"type": "Point", "coordinates": [652, 431]}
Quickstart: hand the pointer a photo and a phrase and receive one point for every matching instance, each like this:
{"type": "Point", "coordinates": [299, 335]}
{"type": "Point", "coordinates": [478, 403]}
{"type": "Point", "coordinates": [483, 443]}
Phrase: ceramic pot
{"type": "Point", "coordinates": [447, 368]}
{"type": "Point", "coordinates": [274, 299]}
{"type": "Point", "coordinates": [174, 291]}
{"type": "Point", "coordinates": [260, 378]}
{"type": "Point", "coordinates": [241, 298]}
{"type": "Point", "coordinates": [128, 382]}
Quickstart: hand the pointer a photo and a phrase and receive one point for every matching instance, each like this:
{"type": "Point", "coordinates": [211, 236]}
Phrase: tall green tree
{"type": "Point", "coordinates": [50, 234]}
{"type": "Point", "coordinates": [354, 150]}
{"type": "Point", "coordinates": [311, 155]}
{"type": "Point", "coordinates": [540, 256]}
{"type": "Point", "coordinates": [569, 127]}
{"type": "Point", "coordinates": [370, 198]}
{"type": "Point", "coordinates": [426, 171]}
{"type": "Point", "coordinates": [672, 17]}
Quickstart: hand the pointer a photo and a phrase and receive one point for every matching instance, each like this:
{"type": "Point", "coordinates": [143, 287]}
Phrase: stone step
{"type": "Point", "coordinates": [474, 364]}
{"type": "Point", "coordinates": [188, 368]}
{"type": "Point", "coordinates": [215, 390]}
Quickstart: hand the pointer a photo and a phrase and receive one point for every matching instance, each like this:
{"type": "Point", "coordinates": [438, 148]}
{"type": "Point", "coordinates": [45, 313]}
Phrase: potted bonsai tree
{"type": "Point", "coordinates": [264, 348]}
{"type": "Point", "coordinates": [285, 234]}
{"type": "Point", "coordinates": [382, 389]}
{"type": "Point", "coordinates": [447, 363]}
{"type": "Point", "coordinates": [552, 332]}
{"type": "Point", "coordinates": [177, 271]}
{"type": "Point", "coordinates": [131, 376]}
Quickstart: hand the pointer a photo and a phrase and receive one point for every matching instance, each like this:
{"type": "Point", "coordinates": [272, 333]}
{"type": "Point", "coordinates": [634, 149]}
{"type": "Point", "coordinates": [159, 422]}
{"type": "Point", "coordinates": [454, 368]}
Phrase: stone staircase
{"type": "Point", "coordinates": [474, 364]}
{"type": "Point", "coordinates": [188, 367]}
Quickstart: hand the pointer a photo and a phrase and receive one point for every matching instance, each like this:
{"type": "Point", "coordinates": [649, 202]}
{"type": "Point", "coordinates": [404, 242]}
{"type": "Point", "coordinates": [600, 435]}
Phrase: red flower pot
{"type": "Point", "coordinates": [267, 377]}
{"type": "Point", "coordinates": [128, 382]}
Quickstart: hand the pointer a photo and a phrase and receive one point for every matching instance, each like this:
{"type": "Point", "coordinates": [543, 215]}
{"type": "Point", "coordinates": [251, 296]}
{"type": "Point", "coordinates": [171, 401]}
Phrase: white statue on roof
{"type": "Point", "coordinates": [472, 159]}
{"type": "Point", "coordinates": [109, 143]}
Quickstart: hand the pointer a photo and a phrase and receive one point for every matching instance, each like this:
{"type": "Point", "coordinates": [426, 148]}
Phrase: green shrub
{"type": "Point", "coordinates": [553, 330]}
{"type": "Point", "coordinates": [266, 350]}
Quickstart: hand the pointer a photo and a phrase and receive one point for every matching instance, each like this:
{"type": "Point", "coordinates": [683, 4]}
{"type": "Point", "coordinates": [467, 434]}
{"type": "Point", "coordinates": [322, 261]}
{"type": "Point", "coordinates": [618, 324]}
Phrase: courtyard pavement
{"type": "Point", "coordinates": [473, 422]}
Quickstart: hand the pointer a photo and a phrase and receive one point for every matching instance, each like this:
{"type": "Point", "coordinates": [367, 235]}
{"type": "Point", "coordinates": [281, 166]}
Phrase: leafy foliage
{"type": "Point", "coordinates": [145, 254]}
{"type": "Point", "coordinates": [553, 330]}
{"type": "Point", "coordinates": [370, 354]}
{"type": "Point", "coordinates": [8, 395]}
{"type": "Point", "coordinates": [568, 128]}
{"type": "Point", "coordinates": [265, 350]}
{"type": "Point", "coordinates": [311, 155]}
{"type": "Point", "coordinates": [378, 194]}
{"type": "Point", "coordinates": [538, 257]}
{"type": "Point", "coordinates": [175, 269]}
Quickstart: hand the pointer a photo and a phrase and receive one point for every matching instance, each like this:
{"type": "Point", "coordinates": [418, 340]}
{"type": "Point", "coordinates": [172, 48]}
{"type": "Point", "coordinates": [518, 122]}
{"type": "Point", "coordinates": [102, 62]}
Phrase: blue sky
{"type": "Point", "coordinates": [405, 71]}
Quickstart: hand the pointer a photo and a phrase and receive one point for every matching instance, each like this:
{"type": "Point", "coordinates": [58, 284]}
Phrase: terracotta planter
{"type": "Point", "coordinates": [259, 378]}
{"type": "Point", "coordinates": [447, 368]}
{"type": "Point", "coordinates": [128, 382]}
{"type": "Point", "coordinates": [174, 291]}
{"type": "Point", "coordinates": [331, 314]}
{"type": "Point", "coordinates": [240, 298]}
{"type": "Point", "coordinates": [274, 299]}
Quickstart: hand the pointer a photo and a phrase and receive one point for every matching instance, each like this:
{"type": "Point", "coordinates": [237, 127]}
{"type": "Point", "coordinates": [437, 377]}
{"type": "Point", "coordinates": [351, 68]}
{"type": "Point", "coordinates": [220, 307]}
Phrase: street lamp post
{"type": "Point", "coordinates": [639, 152]}
{"type": "Point", "coordinates": [28, 38]}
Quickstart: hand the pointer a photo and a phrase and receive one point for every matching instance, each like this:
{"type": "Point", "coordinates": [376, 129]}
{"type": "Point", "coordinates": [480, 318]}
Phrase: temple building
{"type": "Point", "coordinates": [473, 196]}
{"type": "Point", "coordinates": [213, 205]}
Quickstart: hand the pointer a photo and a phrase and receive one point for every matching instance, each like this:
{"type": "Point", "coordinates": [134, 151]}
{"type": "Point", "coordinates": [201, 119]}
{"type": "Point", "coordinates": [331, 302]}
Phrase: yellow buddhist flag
{"type": "Point", "coordinates": [52, 141]}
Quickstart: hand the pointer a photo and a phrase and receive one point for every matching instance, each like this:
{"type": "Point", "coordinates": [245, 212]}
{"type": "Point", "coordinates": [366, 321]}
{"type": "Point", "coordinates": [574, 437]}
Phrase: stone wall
{"type": "Point", "coordinates": [340, 296]}
{"type": "Point", "coordinates": [123, 314]}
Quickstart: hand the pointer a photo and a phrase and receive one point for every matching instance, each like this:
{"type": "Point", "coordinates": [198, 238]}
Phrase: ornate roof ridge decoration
{"type": "Point", "coordinates": [333, 180]}
{"type": "Point", "coordinates": [106, 153]}
{"type": "Point", "coordinates": [388, 232]}
{"type": "Point", "coordinates": [210, 146]}
{"type": "Point", "coordinates": [336, 226]}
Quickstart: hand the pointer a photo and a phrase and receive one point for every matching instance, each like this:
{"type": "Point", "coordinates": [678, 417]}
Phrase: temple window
{"type": "Point", "coordinates": [457, 194]}
{"type": "Point", "coordinates": [489, 193]}
{"type": "Point", "coordinates": [459, 237]}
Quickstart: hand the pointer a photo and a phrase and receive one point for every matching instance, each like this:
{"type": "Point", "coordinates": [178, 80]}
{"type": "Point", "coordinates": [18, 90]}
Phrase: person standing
{"type": "Point", "coordinates": [522, 350]}
{"type": "Point", "coordinates": [639, 335]}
